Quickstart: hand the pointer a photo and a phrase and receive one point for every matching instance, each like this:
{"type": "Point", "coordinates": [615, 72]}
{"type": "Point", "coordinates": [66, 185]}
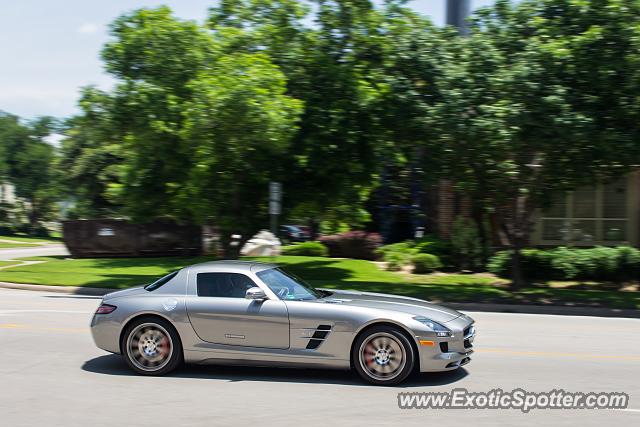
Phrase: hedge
{"type": "Point", "coordinates": [599, 263]}
{"type": "Point", "coordinates": [306, 249]}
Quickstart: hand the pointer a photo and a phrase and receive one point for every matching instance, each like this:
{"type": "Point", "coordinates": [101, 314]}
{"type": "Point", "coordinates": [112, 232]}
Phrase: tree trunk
{"type": "Point", "coordinates": [314, 228]}
{"type": "Point", "coordinates": [231, 247]}
{"type": "Point", "coordinates": [478, 217]}
{"type": "Point", "coordinates": [518, 281]}
{"type": "Point", "coordinates": [516, 228]}
{"type": "Point", "coordinates": [231, 251]}
{"type": "Point", "coordinates": [34, 217]}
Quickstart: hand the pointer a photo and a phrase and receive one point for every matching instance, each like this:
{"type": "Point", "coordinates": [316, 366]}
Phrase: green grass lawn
{"type": "Point", "coordinates": [6, 263]}
{"type": "Point", "coordinates": [7, 245]}
{"type": "Point", "coordinates": [366, 276]}
{"type": "Point", "coordinates": [330, 273]}
{"type": "Point", "coordinates": [24, 241]}
{"type": "Point", "coordinates": [99, 272]}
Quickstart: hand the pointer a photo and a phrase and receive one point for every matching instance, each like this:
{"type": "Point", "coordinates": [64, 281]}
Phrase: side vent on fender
{"type": "Point", "coordinates": [318, 336]}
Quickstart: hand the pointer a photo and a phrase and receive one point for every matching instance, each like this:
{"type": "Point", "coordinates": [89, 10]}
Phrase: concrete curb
{"type": "Point", "coordinates": [75, 290]}
{"type": "Point", "coordinates": [462, 306]}
{"type": "Point", "coordinates": [545, 309]}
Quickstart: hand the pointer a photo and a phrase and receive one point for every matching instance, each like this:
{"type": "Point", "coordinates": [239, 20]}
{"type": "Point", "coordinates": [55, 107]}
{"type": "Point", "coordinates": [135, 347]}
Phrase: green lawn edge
{"type": "Point", "coordinates": [331, 273]}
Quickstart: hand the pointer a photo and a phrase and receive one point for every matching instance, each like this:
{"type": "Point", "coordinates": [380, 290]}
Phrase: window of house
{"type": "Point", "coordinates": [588, 216]}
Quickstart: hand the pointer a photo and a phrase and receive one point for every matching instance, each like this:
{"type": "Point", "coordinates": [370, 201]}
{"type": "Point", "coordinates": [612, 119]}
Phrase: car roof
{"type": "Point", "coordinates": [232, 266]}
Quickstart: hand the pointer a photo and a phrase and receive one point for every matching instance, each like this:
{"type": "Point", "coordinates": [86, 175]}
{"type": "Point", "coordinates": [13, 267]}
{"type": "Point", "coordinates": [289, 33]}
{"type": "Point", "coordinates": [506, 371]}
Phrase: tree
{"type": "Point", "coordinates": [28, 164]}
{"type": "Point", "coordinates": [333, 68]}
{"type": "Point", "coordinates": [537, 101]}
{"type": "Point", "coordinates": [154, 56]}
{"type": "Point", "coordinates": [238, 125]}
{"type": "Point", "coordinates": [191, 132]}
{"type": "Point", "coordinates": [90, 156]}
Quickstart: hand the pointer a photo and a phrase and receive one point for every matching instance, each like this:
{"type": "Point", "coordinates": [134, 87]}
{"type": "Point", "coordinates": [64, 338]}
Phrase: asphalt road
{"type": "Point", "coordinates": [51, 374]}
{"type": "Point", "coordinates": [45, 250]}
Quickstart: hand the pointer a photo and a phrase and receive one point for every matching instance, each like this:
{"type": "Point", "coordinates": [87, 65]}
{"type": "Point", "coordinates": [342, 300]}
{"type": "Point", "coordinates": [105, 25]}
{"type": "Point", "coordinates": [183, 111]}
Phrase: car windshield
{"type": "Point", "coordinates": [287, 286]}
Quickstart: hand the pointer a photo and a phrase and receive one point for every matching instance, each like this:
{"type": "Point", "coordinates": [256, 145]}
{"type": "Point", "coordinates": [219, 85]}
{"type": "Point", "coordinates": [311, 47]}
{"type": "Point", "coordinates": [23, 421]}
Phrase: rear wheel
{"type": "Point", "coordinates": [383, 356]}
{"type": "Point", "coordinates": [151, 346]}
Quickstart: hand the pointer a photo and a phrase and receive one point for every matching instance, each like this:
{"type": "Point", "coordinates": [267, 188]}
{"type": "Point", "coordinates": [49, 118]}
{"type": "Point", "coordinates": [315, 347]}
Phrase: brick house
{"type": "Point", "coordinates": [606, 214]}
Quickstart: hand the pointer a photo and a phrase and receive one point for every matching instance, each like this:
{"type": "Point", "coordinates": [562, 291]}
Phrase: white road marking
{"type": "Point", "coordinates": [558, 316]}
{"type": "Point", "coordinates": [45, 311]}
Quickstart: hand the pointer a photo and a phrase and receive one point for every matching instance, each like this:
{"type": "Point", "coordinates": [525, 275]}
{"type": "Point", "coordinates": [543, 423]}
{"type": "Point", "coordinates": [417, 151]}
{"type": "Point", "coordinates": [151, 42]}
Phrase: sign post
{"type": "Point", "coordinates": [275, 198]}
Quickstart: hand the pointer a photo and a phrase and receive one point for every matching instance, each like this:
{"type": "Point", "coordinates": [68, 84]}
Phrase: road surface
{"type": "Point", "coordinates": [44, 250]}
{"type": "Point", "coordinates": [51, 374]}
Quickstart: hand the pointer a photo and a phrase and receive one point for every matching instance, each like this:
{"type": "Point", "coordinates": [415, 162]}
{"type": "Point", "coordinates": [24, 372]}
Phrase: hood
{"type": "Point", "coordinates": [413, 306]}
{"type": "Point", "coordinates": [125, 292]}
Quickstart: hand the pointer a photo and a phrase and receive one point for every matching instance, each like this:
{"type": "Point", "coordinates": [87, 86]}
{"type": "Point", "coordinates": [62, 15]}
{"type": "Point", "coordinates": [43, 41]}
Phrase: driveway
{"type": "Point", "coordinates": [44, 250]}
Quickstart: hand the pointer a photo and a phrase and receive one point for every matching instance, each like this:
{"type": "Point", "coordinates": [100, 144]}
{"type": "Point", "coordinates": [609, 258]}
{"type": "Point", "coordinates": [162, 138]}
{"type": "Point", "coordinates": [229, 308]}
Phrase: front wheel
{"type": "Point", "coordinates": [152, 347]}
{"type": "Point", "coordinates": [383, 356]}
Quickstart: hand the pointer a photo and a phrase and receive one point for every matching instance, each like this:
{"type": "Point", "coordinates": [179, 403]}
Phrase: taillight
{"type": "Point", "coordinates": [105, 309]}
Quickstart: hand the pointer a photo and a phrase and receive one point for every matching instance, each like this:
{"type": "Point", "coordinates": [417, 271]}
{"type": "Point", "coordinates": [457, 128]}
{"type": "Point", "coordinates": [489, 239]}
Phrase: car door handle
{"type": "Point", "coordinates": [234, 336]}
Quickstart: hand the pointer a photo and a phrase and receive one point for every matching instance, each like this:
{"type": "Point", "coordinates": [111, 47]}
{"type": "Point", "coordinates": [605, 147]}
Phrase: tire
{"type": "Point", "coordinates": [383, 355]}
{"type": "Point", "coordinates": [151, 346]}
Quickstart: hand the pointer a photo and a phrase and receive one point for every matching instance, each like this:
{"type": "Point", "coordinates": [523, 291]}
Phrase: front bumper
{"type": "Point", "coordinates": [446, 354]}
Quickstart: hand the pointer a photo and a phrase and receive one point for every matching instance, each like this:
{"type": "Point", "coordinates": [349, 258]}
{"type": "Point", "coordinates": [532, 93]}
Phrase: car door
{"type": "Point", "coordinates": [220, 314]}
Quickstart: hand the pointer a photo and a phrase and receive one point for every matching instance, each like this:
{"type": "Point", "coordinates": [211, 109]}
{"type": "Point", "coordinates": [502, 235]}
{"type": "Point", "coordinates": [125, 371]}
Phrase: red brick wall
{"type": "Point", "coordinates": [446, 208]}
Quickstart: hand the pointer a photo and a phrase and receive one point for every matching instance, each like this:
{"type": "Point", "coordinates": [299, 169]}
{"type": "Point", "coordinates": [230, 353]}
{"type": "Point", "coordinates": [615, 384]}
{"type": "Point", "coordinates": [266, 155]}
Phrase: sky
{"type": "Point", "coordinates": [50, 49]}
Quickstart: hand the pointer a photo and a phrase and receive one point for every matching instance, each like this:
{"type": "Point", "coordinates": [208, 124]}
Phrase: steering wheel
{"type": "Point", "coordinates": [283, 292]}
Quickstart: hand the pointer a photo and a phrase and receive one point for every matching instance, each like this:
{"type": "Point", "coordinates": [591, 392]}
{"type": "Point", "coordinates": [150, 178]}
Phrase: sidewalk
{"type": "Point", "coordinates": [462, 306]}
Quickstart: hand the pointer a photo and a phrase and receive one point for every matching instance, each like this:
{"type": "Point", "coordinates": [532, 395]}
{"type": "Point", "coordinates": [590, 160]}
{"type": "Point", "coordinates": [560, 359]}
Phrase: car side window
{"type": "Point", "coordinates": [223, 285]}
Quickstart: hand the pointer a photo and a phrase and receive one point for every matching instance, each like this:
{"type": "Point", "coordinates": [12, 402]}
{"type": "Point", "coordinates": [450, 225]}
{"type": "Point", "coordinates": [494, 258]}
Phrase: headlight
{"type": "Point", "coordinates": [440, 330]}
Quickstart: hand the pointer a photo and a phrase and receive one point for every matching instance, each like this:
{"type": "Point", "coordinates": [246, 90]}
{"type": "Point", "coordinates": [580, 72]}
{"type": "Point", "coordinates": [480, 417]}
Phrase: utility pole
{"type": "Point", "coordinates": [457, 14]}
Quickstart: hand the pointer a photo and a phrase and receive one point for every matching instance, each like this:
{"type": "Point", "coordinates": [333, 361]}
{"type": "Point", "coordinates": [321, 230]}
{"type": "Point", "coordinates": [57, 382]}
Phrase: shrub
{"type": "Point", "coordinates": [599, 263]}
{"type": "Point", "coordinates": [396, 260]}
{"type": "Point", "coordinates": [629, 261]}
{"type": "Point", "coordinates": [402, 247]}
{"type": "Point", "coordinates": [397, 255]}
{"type": "Point", "coordinates": [536, 264]}
{"type": "Point", "coordinates": [434, 245]}
{"type": "Point", "coordinates": [352, 244]}
{"type": "Point", "coordinates": [467, 249]}
{"type": "Point", "coordinates": [306, 249]}
{"type": "Point", "coordinates": [425, 263]}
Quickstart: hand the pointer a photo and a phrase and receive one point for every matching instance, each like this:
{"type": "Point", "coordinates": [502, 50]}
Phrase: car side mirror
{"type": "Point", "coordinates": [255, 293]}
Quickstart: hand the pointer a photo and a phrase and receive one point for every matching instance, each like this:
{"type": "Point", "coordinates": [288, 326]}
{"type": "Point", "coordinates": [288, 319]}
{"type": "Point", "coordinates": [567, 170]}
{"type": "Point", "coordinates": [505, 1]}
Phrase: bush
{"type": "Point", "coordinates": [425, 263]}
{"type": "Point", "coordinates": [397, 255]}
{"type": "Point", "coordinates": [400, 254]}
{"type": "Point", "coordinates": [599, 263]}
{"type": "Point", "coordinates": [434, 245]}
{"type": "Point", "coordinates": [536, 264]}
{"type": "Point", "coordinates": [396, 260]}
{"type": "Point", "coordinates": [306, 249]}
{"type": "Point", "coordinates": [466, 245]}
{"type": "Point", "coordinates": [352, 244]}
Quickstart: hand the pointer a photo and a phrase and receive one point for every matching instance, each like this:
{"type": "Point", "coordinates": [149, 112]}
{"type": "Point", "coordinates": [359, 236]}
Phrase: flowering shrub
{"type": "Point", "coordinates": [352, 244]}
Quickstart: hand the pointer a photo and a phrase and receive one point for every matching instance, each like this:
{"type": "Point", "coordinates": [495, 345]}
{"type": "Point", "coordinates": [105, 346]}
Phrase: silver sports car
{"type": "Point", "coordinates": [242, 312]}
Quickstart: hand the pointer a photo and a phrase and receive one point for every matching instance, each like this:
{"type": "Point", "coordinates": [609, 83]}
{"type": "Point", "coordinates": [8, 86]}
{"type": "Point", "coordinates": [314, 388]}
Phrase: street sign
{"type": "Point", "coordinates": [275, 197]}
{"type": "Point", "coordinates": [274, 207]}
{"type": "Point", "coordinates": [275, 191]}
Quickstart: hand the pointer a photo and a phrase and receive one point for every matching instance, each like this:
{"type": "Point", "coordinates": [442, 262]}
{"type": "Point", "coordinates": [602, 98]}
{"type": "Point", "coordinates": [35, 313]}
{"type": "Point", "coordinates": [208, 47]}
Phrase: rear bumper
{"type": "Point", "coordinates": [105, 332]}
